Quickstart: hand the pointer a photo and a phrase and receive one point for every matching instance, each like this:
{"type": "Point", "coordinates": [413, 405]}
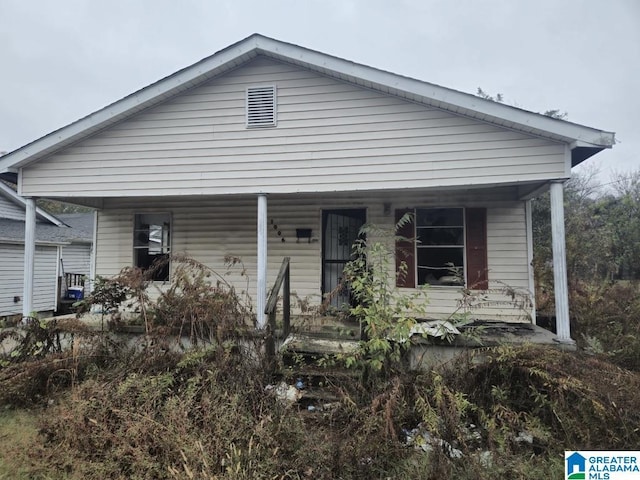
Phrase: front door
{"type": "Point", "coordinates": [340, 229]}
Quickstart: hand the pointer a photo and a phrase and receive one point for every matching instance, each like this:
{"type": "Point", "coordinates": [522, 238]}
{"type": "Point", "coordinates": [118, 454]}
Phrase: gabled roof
{"type": "Point", "coordinates": [583, 141]}
{"type": "Point", "coordinates": [81, 226]}
{"type": "Point", "coordinates": [12, 231]}
{"type": "Point", "coordinates": [8, 193]}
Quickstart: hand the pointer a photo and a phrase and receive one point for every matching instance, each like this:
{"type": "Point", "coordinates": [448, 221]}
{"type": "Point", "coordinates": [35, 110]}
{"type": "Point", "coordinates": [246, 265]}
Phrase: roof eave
{"type": "Point", "coordinates": [142, 99]}
{"type": "Point", "coordinates": [19, 241]}
{"type": "Point", "coordinates": [437, 96]}
{"type": "Point", "coordinates": [580, 153]}
{"type": "Point", "coordinates": [21, 202]}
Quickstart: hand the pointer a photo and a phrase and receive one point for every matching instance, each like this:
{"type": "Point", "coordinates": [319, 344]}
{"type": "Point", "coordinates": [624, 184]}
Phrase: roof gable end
{"type": "Point", "coordinates": [584, 141]}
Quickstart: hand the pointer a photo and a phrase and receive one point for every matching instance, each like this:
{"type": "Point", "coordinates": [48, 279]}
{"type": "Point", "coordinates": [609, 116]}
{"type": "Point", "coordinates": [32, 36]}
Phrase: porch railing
{"type": "Point", "coordinates": [282, 282]}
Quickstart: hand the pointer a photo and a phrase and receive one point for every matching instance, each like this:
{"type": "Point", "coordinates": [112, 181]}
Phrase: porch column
{"type": "Point", "coordinates": [29, 256]}
{"type": "Point", "coordinates": [262, 262]}
{"type": "Point", "coordinates": [531, 273]}
{"type": "Point", "coordinates": [563, 329]}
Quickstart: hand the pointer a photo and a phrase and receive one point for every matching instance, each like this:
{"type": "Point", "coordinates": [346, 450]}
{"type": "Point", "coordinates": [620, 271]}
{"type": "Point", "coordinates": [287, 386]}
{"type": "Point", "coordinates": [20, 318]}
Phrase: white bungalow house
{"type": "Point", "coordinates": [267, 149]}
{"type": "Point", "coordinates": [63, 247]}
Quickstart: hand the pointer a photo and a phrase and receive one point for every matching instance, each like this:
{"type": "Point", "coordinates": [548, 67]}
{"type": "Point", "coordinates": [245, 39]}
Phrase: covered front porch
{"type": "Point", "coordinates": [315, 231]}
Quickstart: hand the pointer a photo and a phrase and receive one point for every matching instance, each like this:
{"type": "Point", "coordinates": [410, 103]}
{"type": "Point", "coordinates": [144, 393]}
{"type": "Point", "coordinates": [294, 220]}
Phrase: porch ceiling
{"type": "Point", "coordinates": [493, 192]}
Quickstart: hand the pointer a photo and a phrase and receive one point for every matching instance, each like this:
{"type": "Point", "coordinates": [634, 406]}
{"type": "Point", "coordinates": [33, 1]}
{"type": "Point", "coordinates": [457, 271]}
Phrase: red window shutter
{"type": "Point", "coordinates": [406, 251]}
{"type": "Point", "coordinates": [477, 268]}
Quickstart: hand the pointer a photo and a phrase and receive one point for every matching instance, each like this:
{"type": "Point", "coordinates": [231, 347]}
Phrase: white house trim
{"type": "Point", "coordinates": [8, 193]}
{"type": "Point", "coordinates": [44, 243]}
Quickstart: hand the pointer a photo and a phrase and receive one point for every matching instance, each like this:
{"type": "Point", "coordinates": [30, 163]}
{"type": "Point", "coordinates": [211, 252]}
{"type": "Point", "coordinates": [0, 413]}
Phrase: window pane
{"type": "Point", "coordinates": [441, 236]}
{"type": "Point", "coordinates": [151, 242]}
{"type": "Point", "coordinates": [440, 266]}
{"type": "Point", "coordinates": [141, 237]}
{"type": "Point", "coordinates": [439, 217]}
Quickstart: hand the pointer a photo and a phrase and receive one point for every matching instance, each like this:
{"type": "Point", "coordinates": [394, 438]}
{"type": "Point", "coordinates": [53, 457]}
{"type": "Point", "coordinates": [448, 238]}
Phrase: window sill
{"type": "Point", "coordinates": [439, 287]}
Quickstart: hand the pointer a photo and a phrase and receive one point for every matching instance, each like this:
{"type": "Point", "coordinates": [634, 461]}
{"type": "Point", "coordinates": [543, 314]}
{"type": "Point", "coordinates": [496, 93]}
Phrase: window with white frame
{"type": "Point", "coordinates": [440, 246]}
{"type": "Point", "coordinates": [152, 243]}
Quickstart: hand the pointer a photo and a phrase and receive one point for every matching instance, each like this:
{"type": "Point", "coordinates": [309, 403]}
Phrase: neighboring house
{"type": "Point", "coordinates": [267, 149]}
{"type": "Point", "coordinates": [63, 244]}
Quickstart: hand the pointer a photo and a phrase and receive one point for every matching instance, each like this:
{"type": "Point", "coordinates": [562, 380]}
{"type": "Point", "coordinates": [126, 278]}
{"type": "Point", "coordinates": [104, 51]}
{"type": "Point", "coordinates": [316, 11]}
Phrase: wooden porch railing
{"type": "Point", "coordinates": [282, 281]}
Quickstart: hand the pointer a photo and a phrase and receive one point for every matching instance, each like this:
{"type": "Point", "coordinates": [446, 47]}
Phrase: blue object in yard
{"type": "Point", "coordinates": [75, 293]}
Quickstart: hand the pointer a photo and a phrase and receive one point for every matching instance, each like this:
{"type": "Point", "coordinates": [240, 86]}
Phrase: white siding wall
{"type": "Point", "coordinates": [76, 258]}
{"type": "Point", "coordinates": [331, 136]}
{"type": "Point", "coordinates": [213, 228]}
{"type": "Point", "coordinates": [44, 287]}
{"type": "Point", "coordinates": [10, 210]}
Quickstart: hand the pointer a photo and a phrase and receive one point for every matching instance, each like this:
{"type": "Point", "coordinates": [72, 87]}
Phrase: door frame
{"type": "Point", "coordinates": [361, 211]}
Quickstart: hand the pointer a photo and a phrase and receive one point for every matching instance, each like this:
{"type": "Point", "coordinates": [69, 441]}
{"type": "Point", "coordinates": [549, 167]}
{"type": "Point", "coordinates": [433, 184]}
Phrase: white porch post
{"type": "Point", "coordinates": [262, 261]}
{"type": "Point", "coordinates": [92, 256]}
{"type": "Point", "coordinates": [563, 329]}
{"type": "Point", "coordinates": [29, 256]}
{"type": "Point", "coordinates": [532, 283]}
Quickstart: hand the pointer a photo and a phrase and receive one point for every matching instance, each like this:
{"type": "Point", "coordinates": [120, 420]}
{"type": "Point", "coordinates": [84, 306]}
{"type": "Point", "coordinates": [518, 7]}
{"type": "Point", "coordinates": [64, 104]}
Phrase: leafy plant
{"type": "Point", "coordinates": [202, 303]}
{"type": "Point", "coordinates": [386, 313]}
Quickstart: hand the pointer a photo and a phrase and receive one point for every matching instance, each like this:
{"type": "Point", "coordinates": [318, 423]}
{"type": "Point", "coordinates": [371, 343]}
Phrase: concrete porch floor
{"type": "Point", "coordinates": [333, 335]}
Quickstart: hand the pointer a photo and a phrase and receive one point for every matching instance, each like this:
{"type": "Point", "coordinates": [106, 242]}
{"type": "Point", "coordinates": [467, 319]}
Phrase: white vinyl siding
{"type": "Point", "coordinates": [11, 283]}
{"type": "Point", "coordinates": [10, 210]}
{"type": "Point", "coordinates": [76, 258]}
{"type": "Point", "coordinates": [209, 229]}
{"type": "Point", "coordinates": [331, 136]}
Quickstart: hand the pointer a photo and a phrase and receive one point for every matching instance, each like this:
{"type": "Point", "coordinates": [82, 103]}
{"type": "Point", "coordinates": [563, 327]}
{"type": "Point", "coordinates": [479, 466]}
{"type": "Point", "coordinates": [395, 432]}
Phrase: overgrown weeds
{"type": "Point", "coordinates": [605, 320]}
{"type": "Point", "coordinates": [198, 302]}
{"type": "Point", "coordinates": [43, 358]}
{"type": "Point", "coordinates": [155, 413]}
{"type": "Point", "coordinates": [205, 415]}
{"type": "Point", "coordinates": [116, 409]}
{"type": "Point", "coordinates": [561, 400]}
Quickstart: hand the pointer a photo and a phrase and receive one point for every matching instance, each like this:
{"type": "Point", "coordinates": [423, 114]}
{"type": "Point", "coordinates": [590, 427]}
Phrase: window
{"type": "Point", "coordinates": [440, 246]}
{"type": "Point", "coordinates": [261, 106]}
{"type": "Point", "coordinates": [451, 247]}
{"type": "Point", "coordinates": [152, 243]}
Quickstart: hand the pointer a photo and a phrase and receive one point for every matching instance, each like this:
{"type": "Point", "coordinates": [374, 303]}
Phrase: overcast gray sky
{"type": "Point", "coordinates": [61, 60]}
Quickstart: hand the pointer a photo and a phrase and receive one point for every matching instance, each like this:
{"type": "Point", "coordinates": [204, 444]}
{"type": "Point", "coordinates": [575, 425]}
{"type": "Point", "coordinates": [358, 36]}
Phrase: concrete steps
{"type": "Point", "coordinates": [306, 359]}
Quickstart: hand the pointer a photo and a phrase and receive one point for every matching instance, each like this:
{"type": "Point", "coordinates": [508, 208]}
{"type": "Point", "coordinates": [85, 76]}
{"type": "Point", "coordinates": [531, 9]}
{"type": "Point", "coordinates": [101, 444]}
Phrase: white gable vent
{"type": "Point", "coordinates": [261, 106]}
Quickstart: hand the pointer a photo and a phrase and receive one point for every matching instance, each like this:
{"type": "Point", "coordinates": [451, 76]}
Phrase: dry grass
{"type": "Point", "coordinates": [18, 439]}
{"type": "Point", "coordinates": [204, 414]}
